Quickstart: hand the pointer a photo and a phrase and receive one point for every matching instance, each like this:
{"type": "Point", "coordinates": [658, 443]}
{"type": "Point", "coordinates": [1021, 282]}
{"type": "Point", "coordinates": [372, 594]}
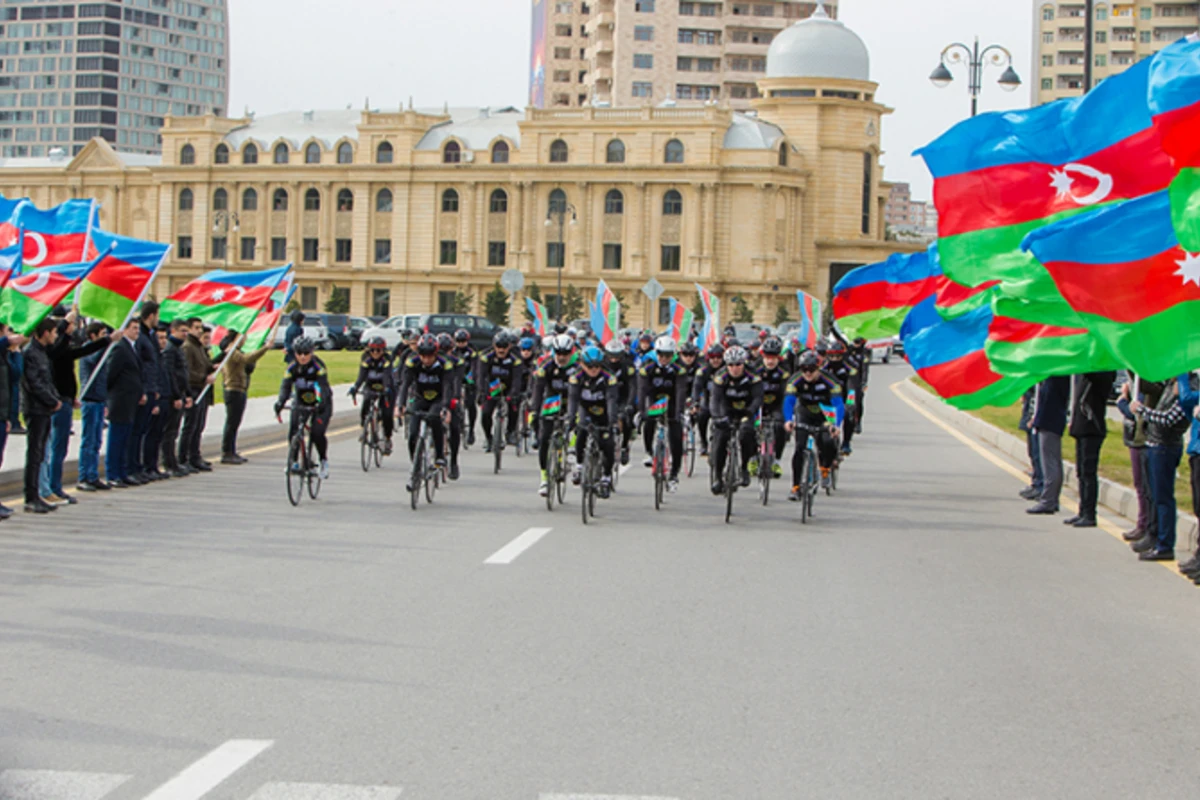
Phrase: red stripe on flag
{"type": "Point", "coordinates": [1180, 132]}
{"type": "Point", "coordinates": [202, 293]}
{"type": "Point", "coordinates": [875, 296]}
{"type": "Point", "coordinates": [1125, 293]}
{"type": "Point", "coordinates": [1014, 331]}
{"type": "Point", "coordinates": [120, 277]}
{"type": "Point", "coordinates": [961, 376]}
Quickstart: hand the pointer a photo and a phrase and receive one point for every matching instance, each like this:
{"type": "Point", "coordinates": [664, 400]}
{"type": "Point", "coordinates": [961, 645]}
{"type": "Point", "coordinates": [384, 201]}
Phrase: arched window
{"type": "Point", "coordinates": [249, 200]}
{"type": "Point", "coordinates": [558, 202]}
{"type": "Point", "coordinates": [614, 202]}
{"type": "Point", "coordinates": [187, 155]}
{"type": "Point", "coordinates": [345, 200]}
{"type": "Point", "coordinates": [222, 154]}
{"type": "Point", "coordinates": [452, 154]}
{"type": "Point", "coordinates": [674, 152]}
{"type": "Point", "coordinates": [312, 200]}
{"type": "Point", "coordinates": [500, 153]}
{"type": "Point", "coordinates": [220, 201]}
{"type": "Point", "coordinates": [499, 203]}
{"type": "Point", "coordinates": [450, 201]}
{"type": "Point", "coordinates": [279, 200]}
{"type": "Point", "coordinates": [672, 204]}
{"type": "Point", "coordinates": [383, 201]}
{"type": "Point", "coordinates": [384, 153]}
{"type": "Point", "coordinates": [345, 153]}
{"type": "Point", "coordinates": [281, 153]}
{"type": "Point", "coordinates": [783, 155]}
{"type": "Point", "coordinates": [187, 200]}
{"type": "Point", "coordinates": [615, 152]}
{"type": "Point", "coordinates": [250, 154]}
{"type": "Point", "coordinates": [312, 153]}
{"type": "Point", "coordinates": [558, 152]}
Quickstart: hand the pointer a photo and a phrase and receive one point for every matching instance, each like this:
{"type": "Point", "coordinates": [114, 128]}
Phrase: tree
{"type": "Point", "coordinates": [462, 302]}
{"type": "Point", "coordinates": [339, 301]}
{"type": "Point", "coordinates": [534, 293]}
{"type": "Point", "coordinates": [496, 305]}
{"type": "Point", "coordinates": [782, 314]}
{"type": "Point", "coordinates": [698, 309]}
{"type": "Point", "coordinates": [741, 310]}
{"type": "Point", "coordinates": [292, 305]}
{"type": "Point", "coordinates": [623, 322]}
{"type": "Point", "coordinates": [572, 304]}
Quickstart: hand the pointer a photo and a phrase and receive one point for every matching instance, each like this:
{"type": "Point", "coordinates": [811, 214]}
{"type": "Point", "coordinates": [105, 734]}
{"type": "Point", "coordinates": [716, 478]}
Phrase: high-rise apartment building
{"type": "Point", "coordinates": [637, 52]}
{"type": "Point", "coordinates": [1122, 33]}
{"type": "Point", "coordinates": [110, 69]}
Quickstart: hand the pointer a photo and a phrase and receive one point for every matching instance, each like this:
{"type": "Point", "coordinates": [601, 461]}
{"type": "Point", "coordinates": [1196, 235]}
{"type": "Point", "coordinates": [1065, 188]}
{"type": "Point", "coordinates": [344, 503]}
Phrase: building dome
{"type": "Point", "coordinates": [819, 47]}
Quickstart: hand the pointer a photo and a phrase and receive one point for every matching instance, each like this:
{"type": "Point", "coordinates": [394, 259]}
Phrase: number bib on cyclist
{"type": "Point", "coordinates": [376, 372]}
{"type": "Point", "coordinates": [306, 381]}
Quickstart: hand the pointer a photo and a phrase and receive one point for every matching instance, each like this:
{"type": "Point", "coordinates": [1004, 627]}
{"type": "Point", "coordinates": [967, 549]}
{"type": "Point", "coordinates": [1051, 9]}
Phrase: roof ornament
{"type": "Point", "coordinates": [410, 102]}
{"type": "Point", "coordinates": [820, 12]}
{"type": "Point", "coordinates": [367, 103]}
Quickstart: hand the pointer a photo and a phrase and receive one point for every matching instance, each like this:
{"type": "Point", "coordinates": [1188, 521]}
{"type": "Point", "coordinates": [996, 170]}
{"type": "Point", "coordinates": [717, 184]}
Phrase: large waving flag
{"type": "Point", "coordinates": [682, 318]}
{"type": "Point", "coordinates": [1123, 271]}
{"type": "Point", "coordinates": [1175, 106]}
{"type": "Point", "coordinates": [60, 235]}
{"type": "Point", "coordinates": [872, 301]}
{"type": "Point", "coordinates": [538, 312]}
{"type": "Point", "coordinates": [256, 336]}
{"type": "Point", "coordinates": [28, 299]}
{"type": "Point", "coordinates": [118, 283]}
{"type": "Point", "coordinates": [1016, 348]}
{"type": "Point", "coordinates": [228, 299]}
{"type": "Point", "coordinates": [810, 320]}
{"type": "Point", "coordinates": [711, 333]}
{"type": "Point", "coordinates": [608, 313]}
{"type": "Point", "coordinates": [10, 261]}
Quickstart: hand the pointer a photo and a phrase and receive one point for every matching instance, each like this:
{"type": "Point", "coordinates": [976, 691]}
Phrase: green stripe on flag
{"type": "Point", "coordinates": [97, 302]}
{"type": "Point", "coordinates": [227, 315]}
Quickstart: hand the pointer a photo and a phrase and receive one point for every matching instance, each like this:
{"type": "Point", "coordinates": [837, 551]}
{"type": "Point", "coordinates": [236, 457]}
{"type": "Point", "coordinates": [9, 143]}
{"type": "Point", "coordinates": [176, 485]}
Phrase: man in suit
{"type": "Point", "coordinates": [40, 400]}
{"type": "Point", "coordinates": [125, 397]}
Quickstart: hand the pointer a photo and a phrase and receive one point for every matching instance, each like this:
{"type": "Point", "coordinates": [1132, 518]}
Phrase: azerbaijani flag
{"type": "Point", "coordinates": [810, 319]}
{"type": "Point", "coordinates": [538, 312]}
{"type": "Point", "coordinates": [552, 405]}
{"type": "Point", "coordinates": [949, 356]}
{"type": "Point", "coordinates": [1124, 272]}
{"type": "Point", "coordinates": [229, 299]}
{"type": "Point", "coordinates": [495, 387]}
{"type": "Point", "coordinates": [872, 301]}
{"type": "Point", "coordinates": [60, 235]}
{"type": "Point", "coordinates": [112, 290]}
{"type": "Point", "coordinates": [608, 313]}
{"type": "Point", "coordinates": [711, 334]}
{"type": "Point", "coordinates": [10, 261]}
{"type": "Point", "coordinates": [1175, 107]}
{"type": "Point", "coordinates": [28, 299]}
{"type": "Point", "coordinates": [682, 318]}
{"type": "Point", "coordinates": [659, 407]}
{"type": "Point", "coordinates": [265, 322]}
{"type": "Point", "coordinates": [1016, 348]}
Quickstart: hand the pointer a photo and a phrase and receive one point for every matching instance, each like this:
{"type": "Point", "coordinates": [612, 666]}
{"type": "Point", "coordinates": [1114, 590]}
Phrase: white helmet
{"type": "Point", "coordinates": [547, 342]}
{"type": "Point", "coordinates": [573, 332]}
{"type": "Point", "coordinates": [665, 344]}
{"type": "Point", "coordinates": [614, 347]}
{"type": "Point", "coordinates": [563, 343]}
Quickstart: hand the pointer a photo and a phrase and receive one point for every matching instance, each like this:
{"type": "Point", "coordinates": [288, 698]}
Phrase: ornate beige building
{"type": "Point", "coordinates": [405, 208]}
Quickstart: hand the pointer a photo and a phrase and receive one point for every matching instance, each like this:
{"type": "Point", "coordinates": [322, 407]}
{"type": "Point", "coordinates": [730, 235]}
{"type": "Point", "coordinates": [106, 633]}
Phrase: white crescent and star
{"type": "Point", "coordinates": [31, 283]}
{"type": "Point", "coordinates": [219, 295]}
{"type": "Point", "coordinates": [42, 250]}
{"type": "Point", "coordinates": [1064, 184]}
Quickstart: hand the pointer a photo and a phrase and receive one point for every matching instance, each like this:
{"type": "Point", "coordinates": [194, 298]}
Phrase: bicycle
{"type": "Point", "coordinates": [525, 430]}
{"type": "Point", "coordinates": [556, 464]}
{"type": "Point", "coordinates": [766, 457]}
{"type": "Point", "coordinates": [592, 470]}
{"type": "Point", "coordinates": [661, 465]}
{"type": "Point", "coordinates": [426, 475]}
{"type": "Point", "coordinates": [372, 425]}
{"type": "Point", "coordinates": [733, 468]}
{"type": "Point", "coordinates": [499, 432]}
{"type": "Point", "coordinates": [689, 441]}
{"type": "Point", "coordinates": [810, 473]}
{"type": "Point", "coordinates": [302, 465]}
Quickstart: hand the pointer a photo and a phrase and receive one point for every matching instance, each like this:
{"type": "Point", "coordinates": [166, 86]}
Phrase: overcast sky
{"type": "Point", "coordinates": [306, 54]}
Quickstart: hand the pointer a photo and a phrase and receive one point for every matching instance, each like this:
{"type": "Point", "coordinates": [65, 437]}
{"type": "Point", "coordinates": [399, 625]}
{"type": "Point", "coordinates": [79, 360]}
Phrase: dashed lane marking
{"type": "Point", "coordinates": [324, 791]}
{"type": "Point", "coordinates": [206, 774]}
{"type": "Point", "coordinates": [510, 551]}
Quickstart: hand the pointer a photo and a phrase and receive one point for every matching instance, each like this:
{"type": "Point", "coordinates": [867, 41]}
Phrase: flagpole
{"type": "Point", "coordinates": [87, 236]}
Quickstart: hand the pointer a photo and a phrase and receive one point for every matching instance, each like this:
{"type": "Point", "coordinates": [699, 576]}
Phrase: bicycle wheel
{"type": "Point", "coordinates": [616, 470]}
{"type": "Point", "coordinates": [691, 450]}
{"type": "Point", "coordinates": [552, 469]}
{"type": "Point", "coordinates": [814, 478]}
{"type": "Point", "coordinates": [585, 487]}
{"type": "Point", "coordinates": [522, 430]}
{"type": "Point", "coordinates": [418, 478]}
{"type": "Point", "coordinates": [560, 470]}
{"type": "Point", "coordinates": [431, 471]}
{"type": "Point", "coordinates": [499, 437]}
{"type": "Point", "coordinates": [295, 475]}
{"type": "Point", "coordinates": [366, 445]}
{"type": "Point", "coordinates": [733, 469]}
{"type": "Point", "coordinates": [376, 440]}
{"type": "Point", "coordinates": [313, 471]}
{"type": "Point", "coordinates": [766, 469]}
{"type": "Point", "coordinates": [660, 481]}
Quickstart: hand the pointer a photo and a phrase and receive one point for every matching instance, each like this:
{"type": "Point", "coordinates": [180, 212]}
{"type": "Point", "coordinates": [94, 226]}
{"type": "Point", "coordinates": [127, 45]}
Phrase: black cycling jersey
{"type": "Point", "coordinates": [657, 382]}
{"type": "Point", "coordinates": [499, 375]}
{"type": "Point", "coordinates": [309, 381]}
{"type": "Point", "coordinates": [774, 384]}
{"type": "Point", "coordinates": [736, 398]}
{"type": "Point", "coordinates": [550, 382]}
{"type": "Point", "coordinates": [814, 398]}
{"type": "Point", "coordinates": [594, 398]}
{"type": "Point", "coordinates": [376, 374]}
{"type": "Point", "coordinates": [431, 385]}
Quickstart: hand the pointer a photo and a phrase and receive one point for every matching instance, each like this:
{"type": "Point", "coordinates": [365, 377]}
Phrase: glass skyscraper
{"type": "Point", "coordinates": [113, 69]}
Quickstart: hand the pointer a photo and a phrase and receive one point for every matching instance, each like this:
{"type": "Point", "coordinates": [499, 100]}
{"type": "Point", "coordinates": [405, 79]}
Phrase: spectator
{"type": "Point", "coordinates": [1049, 423]}
{"type": "Point", "coordinates": [16, 367]}
{"type": "Point", "coordinates": [199, 368]}
{"type": "Point", "coordinates": [147, 350]}
{"type": "Point", "coordinates": [40, 401]}
{"type": "Point", "coordinates": [294, 331]}
{"type": "Point", "coordinates": [1034, 490]}
{"type": "Point", "coordinates": [1188, 396]}
{"type": "Point", "coordinates": [95, 398]}
{"type": "Point", "coordinates": [238, 367]}
{"type": "Point", "coordinates": [1134, 436]}
{"type": "Point", "coordinates": [1089, 427]}
{"type": "Point", "coordinates": [7, 340]}
{"type": "Point", "coordinates": [158, 420]}
{"type": "Point", "coordinates": [1165, 426]}
{"type": "Point", "coordinates": [180, 399]}
{"type": "Point", "coordinates": [125, 396]}
{"type": "Point", "coordinates": [63, 355]}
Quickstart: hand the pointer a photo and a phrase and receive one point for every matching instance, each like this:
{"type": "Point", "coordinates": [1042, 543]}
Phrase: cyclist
{"type": "Point", "coordinates": [500, 380]}
{"type": "Point", "coordinates": [377, 374]}
{"type": "Point", "coordinates": [430, 379]}
{"type": "Point", "coordinates": [662, 392]}
{"type": "Point", "coordinates": [619, 363]}
{"type": "Point", "coordinates": [594, 395]}
{"type": "Point", "coordinates": [814, 404]}
{"type": "Point", "coordinates": [466, 352]}
{"type": "Point", "coordinates": [550, 387]}
{"type": "Point", "coordinates": [861, 354]}
{"type": "Point", "coordinates": [774, 385]}
{"type": "Point", "coordinates": [306, 376]}
{"type": "Point", "coordinates": [447, 350]}
{"type": "Point", "coordinates": [844, 373]}
{"type": "Point", "coordinates": [407, 345]}
{"type": "Point", "coordinates": [644, 349]}
{"type": "Point", "coordinates": [736, 399]}
{"type": "Point", "coordinates": [701, 389]}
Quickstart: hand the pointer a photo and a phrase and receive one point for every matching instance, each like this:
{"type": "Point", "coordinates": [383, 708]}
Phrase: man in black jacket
{"type": "Point", "coordinates": [179, 396]}
{"type": "Point", "coordinates": [40, 401]}
{"type": "Point", "coordinates": [125, 396]}
{"type": "Point", "coordinates": [145, 423]}
{"type": "Point", "coordinates": [1049, 423]}
{"type": "Point", "coordinates": [1089, 426]}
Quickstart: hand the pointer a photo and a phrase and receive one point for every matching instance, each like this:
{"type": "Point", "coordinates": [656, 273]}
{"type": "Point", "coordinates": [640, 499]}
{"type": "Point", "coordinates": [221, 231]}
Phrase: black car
{"type": "Point", "coordinates": [338, 326]}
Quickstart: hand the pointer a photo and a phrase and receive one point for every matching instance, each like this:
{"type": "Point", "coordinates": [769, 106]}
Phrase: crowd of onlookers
{"type": "Point", "coordinates": [1157, 416]}
{"type": "Point", "coordinates": [149, 386]}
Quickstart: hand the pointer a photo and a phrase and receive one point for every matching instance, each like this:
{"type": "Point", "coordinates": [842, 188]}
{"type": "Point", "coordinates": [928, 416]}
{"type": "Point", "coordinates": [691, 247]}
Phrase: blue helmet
{"type": "Point", "coordinates": [527, 343]}
{"type": "Point", "coordinates": [592, 356]}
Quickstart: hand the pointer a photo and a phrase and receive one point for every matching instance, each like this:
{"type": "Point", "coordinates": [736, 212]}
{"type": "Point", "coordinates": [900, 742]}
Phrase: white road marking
{"type": "Point", "coordinates": [324, 791]}
{"type": "Point", "coordinates": [46, 784]}
{"type": "Point", "coordinates": [603, 797]}
{"type": "Point", "coordinates": [510, 551]}
{"type": "Point", "coordinates": [206, 774]}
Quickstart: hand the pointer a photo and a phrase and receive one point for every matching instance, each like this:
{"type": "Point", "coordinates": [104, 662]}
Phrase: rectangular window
{"type": "Point", "coordinates": [644, 6]}
{"type": "Point", "coordinates": [1147, 13]}
{"type": "Point", "coordinates": [643, 61]}
{"type": "Point", "coordinates": [1144, 36]}
{"type": "Point", "coordinates": [612, 256]}
{"type": "Point", "coordinates": [381, 302]}
{"type": "Point", "coordinates": [683, 64]}
{"type": "Point", "coordinates": [1102, 13]}
{"type": "Point", "coordinates": [1047, 13]}
{"type": "Point", "coordinates": [643, 33]}
{"type": "Point", "coordinates": [1047, 84]}
{"type": "Point", "coordinates": [278, 248]}
{"type": "Point", "coordinates": [562, 76]}
{"type": "Point", "coordinates": [183, 249]}
{"type": "Point", "coordinates": [248, 244]}
{"type": "Point", "coordinates": [643, 89]}
{"type": "Point", "coordinates": [343, 250]}
{"type": "Point", "coordinates": [1048, 37]}
{"type": "Point", "coordinates": [555, 255]}
{"type": "Point", "coordinates": [220, 247]}
{"type": "Point", "coordinates": [1047, 61]}
{"type": "Point", "coordinates": [383, 251]}
{"type": "Point", "coordinates": [868, 170]}
{"type": "Point", "coordinates": [449, 253]}
{"type": "Point", "coordinates": [497, 254]}
{"type": "Point", "coordinates": [310, 249]}
{"type": "Point", "coordinates": [562, 30]}
{"type": "Point", "coordinates": [1101, 37]}
{"type": "Point", "coordinates": [664, 311]}
{"type": "Point", "coordinates": [670, 258]}
{"type": "Point", "coordinates": [308, 298]}
{"type": "Point", "coordinates": [562, 53]}
{"type": "Point", "coordinates": [1101, 61]}
{"type": "Point", "coordinates": [446, 302]}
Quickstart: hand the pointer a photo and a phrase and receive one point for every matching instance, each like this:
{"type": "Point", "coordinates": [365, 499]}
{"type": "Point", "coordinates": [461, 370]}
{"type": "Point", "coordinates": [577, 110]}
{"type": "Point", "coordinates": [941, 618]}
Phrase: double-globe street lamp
{"type": "Point", "coordinates": [976, 60]}
{"type": "Point", "coordinates": [558, 215]}
{"type": "Point", "coordinates": [223, 222]}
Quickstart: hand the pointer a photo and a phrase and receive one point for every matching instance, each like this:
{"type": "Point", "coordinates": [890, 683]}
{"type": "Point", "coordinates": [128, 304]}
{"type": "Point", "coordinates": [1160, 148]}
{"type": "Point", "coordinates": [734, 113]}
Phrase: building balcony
{"type": "Point", "coordinates": [600, 47]}
{"type": "Point", "coordinates": [604, 19]}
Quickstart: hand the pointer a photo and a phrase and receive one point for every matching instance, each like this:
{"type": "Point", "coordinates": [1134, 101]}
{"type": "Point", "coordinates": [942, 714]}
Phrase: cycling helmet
{"type": "Point", "coordinates": [526, 343]}
{"type": "Point", "coordinates": [445, 342]}
{"type": "Point", "coordinates": [462, 336]}
{"type": "Point", "coordinates": [859, 341]}
{"type": "Point", "coordinates": [614, 348]}
{"type": "Point", "coordinates": [377, 343]}
{"type": "Point", "coordinates": [502, 339]}
{"type": "Point", "coordinates": [772, 347]}
{"type": "Point", "coordinates": [716, 351]}
{"type": "Point", "coordinates": [665, 345]}
{"type": "Point", "coordinates": [592, 356]}
{"type": "Point", "coordinates": [809, 361]}
{"type": "Point", "coordinates": [302, 344]}
{"type": "Point", "coordinates": [762, 335]}
{"type": "Point", "coordinates": [689, 349]}
{"type": "Point", "coordinates": [573, 332]}
{"type": "Point", "coordinates": [428, 345]}
{"type": "Point", "coordinates": [822, 348]}
{"type": "Point", "coordinates": [736, 355]}
{"type": "Point", "coordinates": [564, 344]}
{"type": "Point", "coordinates": [836, 348]}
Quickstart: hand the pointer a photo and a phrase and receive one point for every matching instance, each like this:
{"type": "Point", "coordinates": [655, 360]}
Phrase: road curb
{"type": "Point", "coordinates": [1118, 499]}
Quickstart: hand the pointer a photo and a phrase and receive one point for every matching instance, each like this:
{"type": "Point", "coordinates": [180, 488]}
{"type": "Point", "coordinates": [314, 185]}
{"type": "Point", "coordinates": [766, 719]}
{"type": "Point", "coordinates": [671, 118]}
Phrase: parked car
{"type": "Point", "coordinates": [338, 328]}
{"type": "Point", "coordinates": [312, 329]}
{"type": "Point", "coordinates": [880, 349]}
{"type": "Point", "coordinates": [747, 332]}
{"type": "Point", "coordinates": [357, 326]}
{"type": "Point", "coordinates": [897, 346]}
{"type": "Point", "coordinates": [787, 330]}
{"type": "Point", "coordinates": [482, 329]}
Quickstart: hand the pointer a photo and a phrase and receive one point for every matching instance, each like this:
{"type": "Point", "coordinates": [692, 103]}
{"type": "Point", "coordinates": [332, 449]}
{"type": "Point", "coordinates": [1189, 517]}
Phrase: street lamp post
{"type": "Point", "coordinates": [976, 60]}
{"type": "Point", "coordinates": [558, 215]}
{"type": "Point", "coordinates": [223, 221]}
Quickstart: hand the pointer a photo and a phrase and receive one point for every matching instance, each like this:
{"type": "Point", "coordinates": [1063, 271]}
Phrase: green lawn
{"type": "Point", "coordinates": [268, 374]}
{"type": "Point", "coordinates": [1114, 458]}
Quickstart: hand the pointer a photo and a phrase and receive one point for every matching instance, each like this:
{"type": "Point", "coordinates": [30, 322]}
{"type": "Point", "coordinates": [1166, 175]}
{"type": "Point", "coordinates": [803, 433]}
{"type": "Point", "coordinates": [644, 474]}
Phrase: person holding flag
{"type": "Point", "coordinates": [236, 381]}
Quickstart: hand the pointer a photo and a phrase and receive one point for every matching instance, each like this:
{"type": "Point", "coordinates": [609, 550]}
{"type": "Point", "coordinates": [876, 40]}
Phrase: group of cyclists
{"type": "Point", "coordinates": [530, 384]}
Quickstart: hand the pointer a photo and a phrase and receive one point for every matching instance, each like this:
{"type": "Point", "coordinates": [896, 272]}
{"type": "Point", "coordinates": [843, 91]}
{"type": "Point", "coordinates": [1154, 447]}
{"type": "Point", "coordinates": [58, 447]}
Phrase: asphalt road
{"type": "Point", "coordinates": [923, 639]}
